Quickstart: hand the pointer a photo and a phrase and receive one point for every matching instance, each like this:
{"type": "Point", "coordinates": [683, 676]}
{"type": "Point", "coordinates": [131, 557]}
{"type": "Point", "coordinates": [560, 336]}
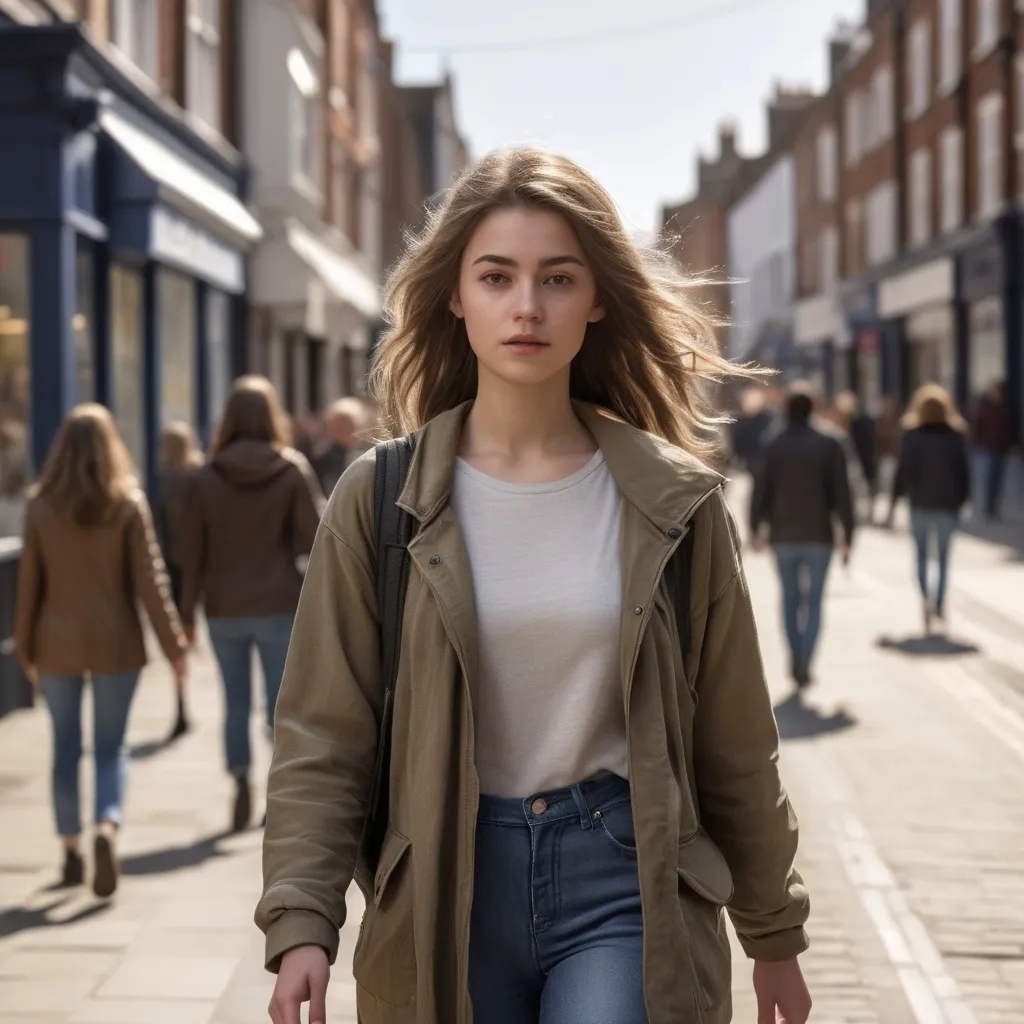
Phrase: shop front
{"type": "Point", "coordinates": [982, 268]}
{"type": "Point", "coordinates": [821, 337]}
{"type": "Point", "coordinates": [866, 363]}
{"type": "Point", "coordinates": [920, 306]}
{"type": "Point", "coordinates": [122, 244]}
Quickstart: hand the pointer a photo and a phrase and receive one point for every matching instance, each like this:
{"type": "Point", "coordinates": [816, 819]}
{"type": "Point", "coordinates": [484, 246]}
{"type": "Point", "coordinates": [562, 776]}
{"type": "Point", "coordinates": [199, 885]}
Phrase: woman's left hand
{"type": "Point", "coordinates": [782, 996]}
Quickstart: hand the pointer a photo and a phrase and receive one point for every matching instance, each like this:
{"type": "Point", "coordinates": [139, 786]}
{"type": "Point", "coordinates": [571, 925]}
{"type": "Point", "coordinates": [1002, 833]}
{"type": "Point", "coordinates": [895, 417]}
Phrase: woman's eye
{"type": "Point", "coordinates": [559, 280]}
{"type": "Point", "coordinates": [494, 278]}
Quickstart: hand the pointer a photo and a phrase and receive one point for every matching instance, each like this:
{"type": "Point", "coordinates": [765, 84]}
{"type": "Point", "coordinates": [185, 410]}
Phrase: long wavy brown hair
{"type": "Point", "coordinates": [931, 406]}
{"type": "Point", "coordinates": [253, 413]}
{"type": "Point", "coordinates": [178, 447]}
{"type": "Point", "coordinates": [646, 361]}
{"type": "Point", "coordinates": [88, 472]}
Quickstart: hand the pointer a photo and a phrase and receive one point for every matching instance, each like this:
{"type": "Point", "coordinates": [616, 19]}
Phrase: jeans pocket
{"type": "Point", "coordinates": [616, 825]}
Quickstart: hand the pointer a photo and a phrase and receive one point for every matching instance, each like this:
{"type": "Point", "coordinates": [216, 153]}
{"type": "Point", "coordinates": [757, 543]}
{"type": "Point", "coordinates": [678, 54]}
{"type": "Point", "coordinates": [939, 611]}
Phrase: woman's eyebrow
{"type": "Point", "coordinates": [505, 261]}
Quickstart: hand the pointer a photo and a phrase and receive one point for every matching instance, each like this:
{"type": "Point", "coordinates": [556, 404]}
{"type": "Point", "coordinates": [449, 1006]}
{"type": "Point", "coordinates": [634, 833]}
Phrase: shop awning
{"type": "Point", "coordinates": [342, 276]}
{"type": "Point", "coordinates": [181, 186]}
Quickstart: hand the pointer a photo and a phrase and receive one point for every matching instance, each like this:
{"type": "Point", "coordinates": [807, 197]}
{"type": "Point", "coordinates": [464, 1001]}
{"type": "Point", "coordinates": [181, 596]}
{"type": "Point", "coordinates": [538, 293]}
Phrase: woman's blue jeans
{"type": "Point", "coordinates": [112, 702]}
{"type": "Point", "coordinates": [233, 641]}
{"type": "Point", "coordinates": [927, 526]}
{"type": "Point", "coordinates": [557, 929]}
{"type": "Point", "coordinates": [803, 571]}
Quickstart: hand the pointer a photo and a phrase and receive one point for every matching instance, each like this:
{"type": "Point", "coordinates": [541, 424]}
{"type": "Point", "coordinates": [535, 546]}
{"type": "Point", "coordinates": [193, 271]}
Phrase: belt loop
{"type": "Point", "coordinates": [581, 805]}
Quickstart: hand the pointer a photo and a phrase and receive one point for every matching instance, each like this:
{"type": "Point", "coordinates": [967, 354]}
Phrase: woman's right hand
{"type": "Point", "coordinates": [180, 667]}
{"type": "Point", "coordinates": [302, 979]}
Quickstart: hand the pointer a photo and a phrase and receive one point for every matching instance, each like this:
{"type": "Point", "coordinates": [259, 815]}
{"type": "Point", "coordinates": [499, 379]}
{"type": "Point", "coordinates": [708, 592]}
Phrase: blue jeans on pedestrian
{"type": "Point", "coordinates": [803, 569]}
{"type": "Point", "coordinates": [111, 702]}
{"type": "Point", "coordinates": [928, 525]}
{"type": "Point", "coordinates": [233, 641]}
{"type": "Point", "coordinates": [557, 928]}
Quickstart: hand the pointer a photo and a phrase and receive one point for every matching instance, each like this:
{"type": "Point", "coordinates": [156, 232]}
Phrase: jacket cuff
{"type": "Point", "coordinates": [784, 945]}
{"type": "Point", "coordinates": [299, 928]}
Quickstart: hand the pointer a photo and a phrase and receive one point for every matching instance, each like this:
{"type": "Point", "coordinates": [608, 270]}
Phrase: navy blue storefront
{"type": "Point", "coordinates": [122, 245]}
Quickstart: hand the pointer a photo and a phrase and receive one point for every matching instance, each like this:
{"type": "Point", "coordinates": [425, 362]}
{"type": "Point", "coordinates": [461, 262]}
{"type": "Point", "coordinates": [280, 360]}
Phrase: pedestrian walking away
{"type": "Point", "coordinates": [251, 514]}
{"type": "Point", "coordinates": [802, 495]}
{"type": "Point", "coordinates": [179, 458]}
{"type": "Point", "coordinates": [89, 553]}
{"type": "Point", "coordinates": [934, 475]}
{"type": "Point", "coordinates": [537, 734]}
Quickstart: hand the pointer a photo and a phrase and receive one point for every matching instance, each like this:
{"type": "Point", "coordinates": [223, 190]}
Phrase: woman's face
{"type": "Point", "coordinates": [526, 293]}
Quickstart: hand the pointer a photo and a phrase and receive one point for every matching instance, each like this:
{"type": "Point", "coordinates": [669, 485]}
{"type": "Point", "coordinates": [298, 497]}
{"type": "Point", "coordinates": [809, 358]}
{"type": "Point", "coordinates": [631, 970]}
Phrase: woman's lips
{"type": "Point", "coordinates": [527, 348]}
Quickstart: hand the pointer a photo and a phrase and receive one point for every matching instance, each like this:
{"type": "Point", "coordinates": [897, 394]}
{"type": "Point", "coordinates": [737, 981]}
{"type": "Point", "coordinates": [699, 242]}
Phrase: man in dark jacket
{"type": "Point", "coordinates": [801, 493]}
{"type": "Point", "coordinates": [995, 436]}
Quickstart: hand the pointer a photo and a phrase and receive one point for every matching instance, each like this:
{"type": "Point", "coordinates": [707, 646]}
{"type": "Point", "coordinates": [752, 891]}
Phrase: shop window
{"type": "Point", "coordinates": [126, 352]}
{"type": "Point", "coordinates": [988, 345]}
{"type": "Point", "coordinates": [15, 382]}
{"type": "Point", "coordinates": [203, 72]}
{"type": "Point", "coordinates": [176, 319]}
{"type": "Point", "coordinates": [218, 355]}
{"type": "Point", "coordinates": [83, 323]}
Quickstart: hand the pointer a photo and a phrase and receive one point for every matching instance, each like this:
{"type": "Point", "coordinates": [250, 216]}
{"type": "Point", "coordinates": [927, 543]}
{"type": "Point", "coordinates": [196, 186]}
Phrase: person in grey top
{"type": "Point", "coordinates": [801, 495]}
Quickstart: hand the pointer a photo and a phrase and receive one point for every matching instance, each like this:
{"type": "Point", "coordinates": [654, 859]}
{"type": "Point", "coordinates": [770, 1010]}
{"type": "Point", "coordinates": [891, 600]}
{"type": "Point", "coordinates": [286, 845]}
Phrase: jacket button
{"type": "Point", "coordinates": [435, 559]}
{"type": "Point", "coordinates": [674, 532]}
{"type": "Point", "coordinates": [638, 609]}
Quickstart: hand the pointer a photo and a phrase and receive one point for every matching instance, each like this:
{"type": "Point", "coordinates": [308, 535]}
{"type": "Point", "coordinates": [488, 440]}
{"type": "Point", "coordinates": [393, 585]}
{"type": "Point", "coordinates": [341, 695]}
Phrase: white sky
{"type": "Point", "coordinates": [634, 109]}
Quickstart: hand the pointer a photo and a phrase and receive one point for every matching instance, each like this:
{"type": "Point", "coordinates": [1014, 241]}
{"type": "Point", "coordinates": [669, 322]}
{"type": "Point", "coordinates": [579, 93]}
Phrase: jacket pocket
{"type": "Point", "coordinates": [705, 886]}
{"type": "Point", "coordinates": [385, 957]}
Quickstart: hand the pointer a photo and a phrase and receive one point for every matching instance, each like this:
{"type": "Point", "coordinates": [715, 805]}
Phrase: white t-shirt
{"type": "Point", "coordinates": [548, 583]}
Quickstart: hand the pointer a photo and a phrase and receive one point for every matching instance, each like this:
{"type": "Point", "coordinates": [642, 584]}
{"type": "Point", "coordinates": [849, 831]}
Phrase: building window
{"type": "Point", "coordinates": [882, 104]}
{"type": "Point", "coordinates": [828, 254]}
{"type": "Point", "coordinates": [135, 33]}
{"type": "Point", "coordinates": [826, 164]}
{"type": "Point", "coordinates": [951, 44]}
{"type": "Point", "coordinates": [919, 69]}
{"type": "Point", "coordinates": [988, 27]}
{"type": "Point", "coordinates": [203, 75]}
{"type": "Point", "coordinates": [126, 344]}
{"type": "Point", "coordinates": [854, 229]}
{"type": "Point", "coordinates": [15, 381]}
{"type": "Point", "coordinates": [176, 321]}
{"type": "Point", "coordinates": [854, 125]}
{"type": "Point", "coordinates": [952, 156]}
{"type": "Point", "coordinates": [920, 197]}
{"type": "Point", "coordinates": [990, 155]}
{"type": "Point", "coordinates": [880, 240]}
{"type": "Point", "coordinates": [218, 341]}
{"type": "Point", "coordinates": [304, 115]}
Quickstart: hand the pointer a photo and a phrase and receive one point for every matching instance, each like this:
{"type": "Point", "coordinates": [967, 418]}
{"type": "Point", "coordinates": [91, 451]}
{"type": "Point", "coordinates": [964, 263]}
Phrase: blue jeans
{"type": "Point", "coordinates": [803, 569]}
{"type": "Point", "coordinates": [927, 525]}
{"type": "Point", "coordinates": [233, 641]}
{"type": "Point", "coordinates": [111, 701]}
{"type": "Point", "coordinates": [557, 929]}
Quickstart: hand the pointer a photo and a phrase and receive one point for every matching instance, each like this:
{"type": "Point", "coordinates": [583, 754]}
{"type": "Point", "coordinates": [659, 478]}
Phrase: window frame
{"type": "Point", "coordinates": [989, 113]}
{"type": "Point", "coordinates": [826, 153]}
{"type": "Point", "coordinates": [919, 69]}
{"type": "Point", "coordinates": [203, 62]}
{"type": "Point", "coordinates": [951, 33]}
{"type": "Point", "coordinates": [920, 228]}
{"type": "Point", "coordinates": [141, 20]}
{"type": "Point", "coordinates": [951, 154]}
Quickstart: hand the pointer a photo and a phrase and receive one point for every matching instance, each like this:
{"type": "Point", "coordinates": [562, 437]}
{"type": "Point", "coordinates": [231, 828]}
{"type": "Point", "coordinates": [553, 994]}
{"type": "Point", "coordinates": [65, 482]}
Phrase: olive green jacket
{"type": "Point", "coordinates": [714, 827]}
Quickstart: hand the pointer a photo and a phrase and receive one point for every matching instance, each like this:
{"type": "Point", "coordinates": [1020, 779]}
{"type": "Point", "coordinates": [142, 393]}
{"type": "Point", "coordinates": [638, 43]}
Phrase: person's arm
{"type": "Point", "coordinates": [308, 504]}
{"type": "Point", "coordinates": [193, 552]}
{"type": "Point", "coordinates": [961, 470]}
{"type": "Point", "coordinates": [326, 733]}
{"type": "Point", "coordinates": [149, 579]}
{"type": "Point", "coordinates": [762, 496]}
{"type": "Point", "coordinates": [30, 595]}
{"type": "Point", "coordinates": [743, 805]}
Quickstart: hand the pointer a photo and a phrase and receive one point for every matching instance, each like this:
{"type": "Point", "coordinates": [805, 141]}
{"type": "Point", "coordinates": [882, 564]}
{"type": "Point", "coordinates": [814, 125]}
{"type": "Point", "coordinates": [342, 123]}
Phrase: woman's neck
{"type": "Point", "coordinates": [515, 429]}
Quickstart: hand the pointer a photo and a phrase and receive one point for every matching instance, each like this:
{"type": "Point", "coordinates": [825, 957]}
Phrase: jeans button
{"type": "Point", "coordinates": [539, 806]}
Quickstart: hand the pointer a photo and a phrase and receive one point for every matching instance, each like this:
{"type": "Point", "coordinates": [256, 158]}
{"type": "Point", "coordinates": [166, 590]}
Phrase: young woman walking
{"type": "Point", "coordinates": [935, 476]}
{"type": "Point", "coordinates": [180, 457]}
{"type": "Point", "coordinates": [252, 512]}
{"type": "Point", "coordinates": [575, 795]}
{"type": "Point", "coordinates": [89, 555]}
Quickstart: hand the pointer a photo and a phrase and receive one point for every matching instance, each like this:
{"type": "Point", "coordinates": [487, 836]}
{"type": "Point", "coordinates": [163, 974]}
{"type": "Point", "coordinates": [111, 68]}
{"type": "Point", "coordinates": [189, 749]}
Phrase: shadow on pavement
{"type": "Point", "coordinates": [927, 646]}
{"type": "Point", "coordinates": [14, 920]}
{"type": "Point", "coordinates": [175, 858]}
{"type": "Point", "coordinates": [800, 721]}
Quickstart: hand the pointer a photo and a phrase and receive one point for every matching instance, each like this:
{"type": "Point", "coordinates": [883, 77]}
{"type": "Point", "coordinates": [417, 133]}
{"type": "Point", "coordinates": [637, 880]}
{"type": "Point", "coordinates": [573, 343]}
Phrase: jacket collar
{"type": "Point", "coordinates": [664, 482]}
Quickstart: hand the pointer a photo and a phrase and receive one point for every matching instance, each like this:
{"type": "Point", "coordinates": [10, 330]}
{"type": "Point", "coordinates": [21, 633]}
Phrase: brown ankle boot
{"type": "Point", "coordinates": [105, 867]}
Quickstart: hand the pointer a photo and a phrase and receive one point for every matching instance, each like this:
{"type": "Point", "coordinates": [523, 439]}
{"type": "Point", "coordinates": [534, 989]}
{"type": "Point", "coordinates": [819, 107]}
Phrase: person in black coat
{"type": "Point", "coordinates": [934, 475]}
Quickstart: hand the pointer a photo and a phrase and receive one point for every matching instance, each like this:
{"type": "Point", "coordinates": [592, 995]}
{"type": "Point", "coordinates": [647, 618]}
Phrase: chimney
{"type": "Point", "coordinates": [840, 45]}
{"type": "Point", "coordinates": [726, 140]}
{"type": "Point", "coordinates": [785, 114]}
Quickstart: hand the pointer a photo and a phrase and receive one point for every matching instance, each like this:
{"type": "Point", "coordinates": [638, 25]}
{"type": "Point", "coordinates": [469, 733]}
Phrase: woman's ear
{"type": "Point", "coordinates": [596, 314]}
{"type": "Point", "coordinates": [455, 305]}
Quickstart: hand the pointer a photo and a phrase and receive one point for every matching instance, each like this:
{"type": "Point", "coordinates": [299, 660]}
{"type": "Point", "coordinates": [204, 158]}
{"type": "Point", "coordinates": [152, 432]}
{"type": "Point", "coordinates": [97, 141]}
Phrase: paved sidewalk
{"type": "Point", "coordinates": [903, 761]}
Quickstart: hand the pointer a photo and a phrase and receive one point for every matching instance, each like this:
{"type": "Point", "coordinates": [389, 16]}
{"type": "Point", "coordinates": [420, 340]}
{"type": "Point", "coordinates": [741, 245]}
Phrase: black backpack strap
{"type": "Point", "coordinates": [392, 531]}
{"type": "Point", "coordinates": [681, 568]}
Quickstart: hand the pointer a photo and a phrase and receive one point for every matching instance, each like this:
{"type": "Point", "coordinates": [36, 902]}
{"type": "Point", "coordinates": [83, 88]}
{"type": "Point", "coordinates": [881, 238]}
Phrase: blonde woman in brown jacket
{"type": "Point", "coordinates": [575, 795]}
{"type": "Point", "coordinates": [90, 553]}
